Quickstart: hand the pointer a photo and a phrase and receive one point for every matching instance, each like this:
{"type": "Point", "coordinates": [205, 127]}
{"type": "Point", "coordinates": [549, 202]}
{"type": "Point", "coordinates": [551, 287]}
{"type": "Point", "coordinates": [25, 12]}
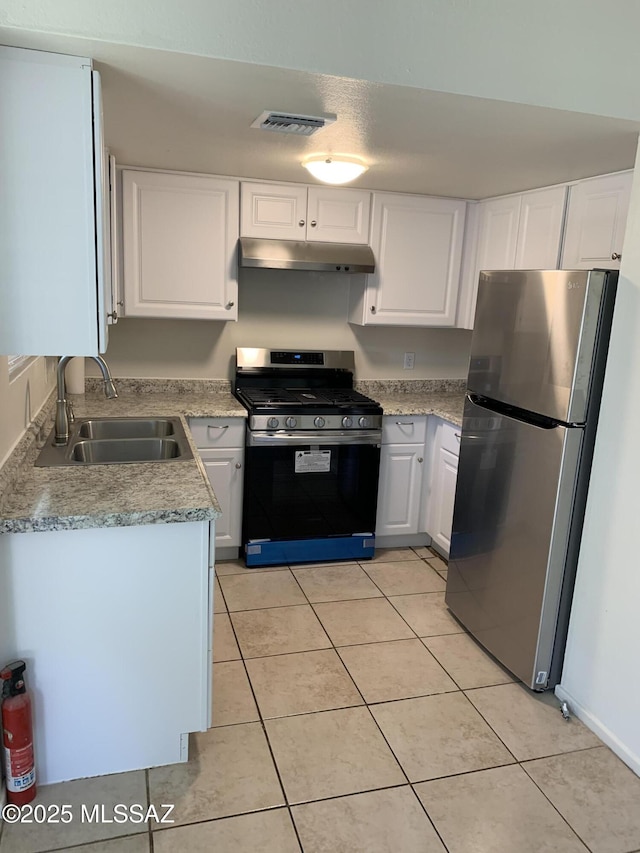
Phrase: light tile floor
{"type": "Point", "coordinates": [353, 714]}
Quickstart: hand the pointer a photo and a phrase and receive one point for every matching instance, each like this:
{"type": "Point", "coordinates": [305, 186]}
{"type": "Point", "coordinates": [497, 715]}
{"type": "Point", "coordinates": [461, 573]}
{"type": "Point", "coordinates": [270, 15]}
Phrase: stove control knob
{"type": "Point", "coordinates": [347, 422]}
{"type": "Point", "coordinates": [364, 423]}
{"type": "Point", "coordinates": [273, 423]}
{"type": "Point", "coordinates": [318, 422]}
{"type": "Point", "coordinates": [291, 423]}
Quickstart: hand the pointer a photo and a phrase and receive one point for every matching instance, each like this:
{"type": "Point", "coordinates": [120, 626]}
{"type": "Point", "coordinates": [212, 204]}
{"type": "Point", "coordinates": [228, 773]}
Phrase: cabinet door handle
{"type": "Point", "coordinates": [301, 223]}
{"type": "Point", "coordinates": [616, 256]}
{"type": "Point", "coordinates": [238, 465]}
{"type": "Point", "coordinates": [457, 435]}
{"type": "Point", "coordinates": [420, 459]}
{"type": "Point", "coordinates": [404, 423]}
{"type": "Point", "coordinates": [229, 305]}
{"type": "Point", "coordinates": [214, 426]}
{"type": "Point", "coordinates": [313, 223]}
{"type": "Point", "coordinates": [373, 309]}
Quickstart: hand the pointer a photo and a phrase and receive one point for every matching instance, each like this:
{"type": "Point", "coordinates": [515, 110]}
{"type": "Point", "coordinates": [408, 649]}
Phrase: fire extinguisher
{"type": "Point", "coordinates": [17, 735]}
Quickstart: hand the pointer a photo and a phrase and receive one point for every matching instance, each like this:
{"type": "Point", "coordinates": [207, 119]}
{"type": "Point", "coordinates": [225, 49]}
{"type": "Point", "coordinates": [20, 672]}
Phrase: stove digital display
{"type": "Point", "coordinates": [282, 357]}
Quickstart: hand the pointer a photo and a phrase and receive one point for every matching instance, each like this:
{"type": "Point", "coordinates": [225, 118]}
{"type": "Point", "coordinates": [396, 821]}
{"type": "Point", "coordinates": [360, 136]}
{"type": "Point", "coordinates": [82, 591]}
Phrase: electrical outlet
{"type": "Point", "coordinates": [409, 360]}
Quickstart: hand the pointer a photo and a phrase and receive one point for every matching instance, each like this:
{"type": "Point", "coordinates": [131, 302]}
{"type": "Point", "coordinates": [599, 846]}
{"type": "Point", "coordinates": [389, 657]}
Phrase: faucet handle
{"type": "Point", "coordinates": [70, 413]}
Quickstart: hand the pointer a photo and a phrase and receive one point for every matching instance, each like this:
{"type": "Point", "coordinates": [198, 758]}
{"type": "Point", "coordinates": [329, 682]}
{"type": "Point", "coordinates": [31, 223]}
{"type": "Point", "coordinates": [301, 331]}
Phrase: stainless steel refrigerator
{"type": "Point", "coordinates": [538, 356]}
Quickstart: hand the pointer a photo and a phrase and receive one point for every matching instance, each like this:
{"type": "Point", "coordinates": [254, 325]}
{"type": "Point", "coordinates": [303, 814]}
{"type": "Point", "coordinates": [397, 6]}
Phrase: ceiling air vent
{"type": "Point", "coordinates": [289, 123]}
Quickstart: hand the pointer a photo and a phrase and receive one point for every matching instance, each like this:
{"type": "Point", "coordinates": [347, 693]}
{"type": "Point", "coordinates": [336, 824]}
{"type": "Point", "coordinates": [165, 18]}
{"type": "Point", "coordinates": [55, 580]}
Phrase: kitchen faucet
{"type": "Point", "coordinates": [63, 414]}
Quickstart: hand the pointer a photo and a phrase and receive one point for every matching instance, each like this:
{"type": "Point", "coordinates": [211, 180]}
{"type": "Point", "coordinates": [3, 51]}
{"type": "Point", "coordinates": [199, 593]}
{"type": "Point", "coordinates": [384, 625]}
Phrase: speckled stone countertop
{"type": "Point", "coordinates": [69, 498]}
{"type": "Point", "coordinates": [444, 398]}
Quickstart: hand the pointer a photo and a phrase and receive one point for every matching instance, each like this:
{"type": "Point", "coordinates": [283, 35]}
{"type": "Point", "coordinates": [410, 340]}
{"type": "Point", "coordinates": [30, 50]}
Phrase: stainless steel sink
{"type": "Point", "coordinates": [127, 428]}
{"type": "Point", "coordinates": [116, 441]}
{"type": "Point", "coordinates": [125, 450]}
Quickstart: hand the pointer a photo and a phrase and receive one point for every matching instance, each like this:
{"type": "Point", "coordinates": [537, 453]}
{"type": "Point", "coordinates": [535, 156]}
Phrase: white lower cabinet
{"type": "Point", "coordinates": [444, 441]}
{"type": "Point", "coordinates": [115, 626]}
{"type": "Point", "coordinates": [401, 472]}
{"type": "Point", "coordinates": [220, 443]}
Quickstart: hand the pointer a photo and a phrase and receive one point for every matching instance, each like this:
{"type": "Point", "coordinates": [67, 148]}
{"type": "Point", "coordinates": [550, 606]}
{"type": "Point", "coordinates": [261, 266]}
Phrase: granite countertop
{"type": "Point", "coordinates": [444, 398]}
{"type": "Point", "coordinates": [70, 498]}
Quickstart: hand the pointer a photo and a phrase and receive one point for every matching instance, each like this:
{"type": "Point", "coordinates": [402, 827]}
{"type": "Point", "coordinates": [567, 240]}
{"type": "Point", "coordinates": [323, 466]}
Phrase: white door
{"type": "Point", "coordinates": [273, 211]}
{"type": "Point", "coordinates": [540, 229]}
{"type": "Point", "coordinates": [417, 243]}
{"type": "Point", "coordinates": [596, 219]}
{"type": "Point", "coordinates": [498, 233]}
{"type": "Point", "coordinates": [338, 215]}
{"type": "Point", "coordinates": [442, 498]}
{"type": "Point", "coordinates": [400, 486]}
{"type": "Point", "coordinates": [179, 242]}
{"type": "Point", "coordinates": [224, 470]}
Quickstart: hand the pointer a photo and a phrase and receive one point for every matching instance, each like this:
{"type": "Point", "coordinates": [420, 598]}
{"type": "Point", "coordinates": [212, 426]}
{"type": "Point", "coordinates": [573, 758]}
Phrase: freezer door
{"type": "Point", "coordinates": [511, 528]}
{"type": "Point", "coordinates": [535, 338]}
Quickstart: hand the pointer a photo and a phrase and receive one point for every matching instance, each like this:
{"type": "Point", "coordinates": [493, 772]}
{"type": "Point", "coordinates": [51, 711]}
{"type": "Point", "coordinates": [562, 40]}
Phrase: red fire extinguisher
{"type": "Point", "coordinates": [17, 735]}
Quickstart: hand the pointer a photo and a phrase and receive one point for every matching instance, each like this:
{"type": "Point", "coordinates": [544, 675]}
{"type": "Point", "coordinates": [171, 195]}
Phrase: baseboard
{"type": "Point", "coordinates": [598, 728]}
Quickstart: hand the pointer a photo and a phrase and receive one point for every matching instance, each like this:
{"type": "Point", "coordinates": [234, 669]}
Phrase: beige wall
{"type": "Point", "coordinates": [20, 400]}
{"type": "Point", "coordinates": [282, 309]}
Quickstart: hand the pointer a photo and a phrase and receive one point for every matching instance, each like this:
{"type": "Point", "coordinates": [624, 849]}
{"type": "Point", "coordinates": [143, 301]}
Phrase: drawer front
{"type": "Point", "coordinates": [218, 432]}
{"type": "Point", "coordinates": [404, 429]}
{"type": "Point", "coordinates": [450, 437]}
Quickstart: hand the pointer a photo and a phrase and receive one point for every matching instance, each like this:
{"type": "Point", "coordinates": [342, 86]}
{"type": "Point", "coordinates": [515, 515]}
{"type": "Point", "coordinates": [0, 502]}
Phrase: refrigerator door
{"type": "Point", "coordinates": [534, 339]}
{"type": "Point", "coordinates": [511, 533]}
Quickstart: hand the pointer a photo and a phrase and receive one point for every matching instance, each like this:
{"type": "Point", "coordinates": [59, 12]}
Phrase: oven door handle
{"type": "Point", "coordinates": [265, 439]}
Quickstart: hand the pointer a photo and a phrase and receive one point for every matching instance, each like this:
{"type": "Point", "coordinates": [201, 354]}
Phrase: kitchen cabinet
{"type": "Point", "coordinates": [596, 220]}
{"type": "Point", "coordinates": [116, 626]}
{"type": "Point", "coordinates": [220, 443]}
{"type": "Point", "coordinates": [444, 441]}
{"type": "Point", "coordinates": [522, 231]}
{"type": "Point", "coordinates": [401, 475]}
{"type": "Point", "coordinates": [296, 212]}
{"type": "Point", "coordinates": [417, 243]}
{"type": "Point", "coordinates": [179, 239]}
{"type": "Point", "coordinates": [54, 272]}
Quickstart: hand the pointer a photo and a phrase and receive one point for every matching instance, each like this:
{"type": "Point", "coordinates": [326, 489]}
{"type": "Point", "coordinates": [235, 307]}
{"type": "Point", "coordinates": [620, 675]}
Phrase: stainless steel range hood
{"type": "Point", "coordinates": [296, 255]}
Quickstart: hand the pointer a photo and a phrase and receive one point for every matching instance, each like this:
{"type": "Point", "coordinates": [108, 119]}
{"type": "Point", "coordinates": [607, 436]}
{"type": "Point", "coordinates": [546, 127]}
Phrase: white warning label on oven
{"type": "Point", "coordinates": [312, 461]}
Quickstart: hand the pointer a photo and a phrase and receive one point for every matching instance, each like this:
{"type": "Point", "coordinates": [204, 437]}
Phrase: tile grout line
{"type": "Point", "coordinates": [266, 736]}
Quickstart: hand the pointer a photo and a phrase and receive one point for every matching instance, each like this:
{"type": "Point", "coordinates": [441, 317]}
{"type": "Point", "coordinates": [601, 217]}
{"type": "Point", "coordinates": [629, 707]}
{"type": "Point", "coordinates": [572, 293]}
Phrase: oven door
{"type": "Point", "coordinates": [306, 491]}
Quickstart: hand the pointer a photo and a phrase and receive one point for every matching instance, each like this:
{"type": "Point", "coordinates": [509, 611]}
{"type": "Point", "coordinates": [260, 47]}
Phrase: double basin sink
{"type": "Point", "coordinates": [104, 441]}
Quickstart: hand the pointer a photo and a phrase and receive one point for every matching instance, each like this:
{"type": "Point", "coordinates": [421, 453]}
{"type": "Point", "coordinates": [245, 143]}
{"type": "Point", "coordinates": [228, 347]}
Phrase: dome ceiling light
{"type": "Point", "coordinates": [334, 170]}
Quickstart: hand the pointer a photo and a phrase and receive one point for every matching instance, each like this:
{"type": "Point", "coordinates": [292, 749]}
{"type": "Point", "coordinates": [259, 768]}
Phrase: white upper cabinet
{"type": "Point", "coordinates": [417, 243]}
{"type": "Point", "coordinates": [180, 233]}
{"type": "Point", "coordinates": [521, 231]}
{"type": "Point", "coordinates": [596, 220]}
{"type": "Point", "coordinates": [52, 274]}
{"type": "Point", "coordinates": [290, 212]}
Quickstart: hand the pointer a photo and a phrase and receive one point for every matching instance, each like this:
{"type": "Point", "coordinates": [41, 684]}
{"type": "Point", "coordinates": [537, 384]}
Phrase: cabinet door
{"type": "Point", "coordinates": [442, 498]}
{"type": "Point", "coordinates": [273, 211]}
{"type": "Point", "coordinates": [417, 243]}
{"type": "Point", "coordinates": [401, 467]}
{"type": "Point", "coordinates": [179, 242]}
{"type": "Point", "coordinates": [540, 229]}
{"type": "Point", "coordinates": [338, 216]}
{"type": "Point", "coordinates": [48, 238]}
{"type": "Point", "coordinates": [498, 234]}
{"type": "Point", "coordinates": [224, 470]}
{"type": "Point", "coordinates": [596, 219]}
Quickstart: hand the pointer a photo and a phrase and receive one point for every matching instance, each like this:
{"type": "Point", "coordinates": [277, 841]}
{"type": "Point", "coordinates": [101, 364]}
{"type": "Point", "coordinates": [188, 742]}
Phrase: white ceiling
{"type": "Point", "coordinates": [185, 112]}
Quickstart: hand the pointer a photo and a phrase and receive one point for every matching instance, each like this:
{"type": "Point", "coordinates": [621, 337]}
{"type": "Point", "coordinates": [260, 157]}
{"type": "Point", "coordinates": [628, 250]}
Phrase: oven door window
{"type": "Point", "coordinates": [299, 492]}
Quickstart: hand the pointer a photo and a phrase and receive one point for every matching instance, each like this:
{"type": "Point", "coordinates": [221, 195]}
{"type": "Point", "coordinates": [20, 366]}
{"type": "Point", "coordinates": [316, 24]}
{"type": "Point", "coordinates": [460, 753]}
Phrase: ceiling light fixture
{"type": "Point", "coordinates": [334, 170]}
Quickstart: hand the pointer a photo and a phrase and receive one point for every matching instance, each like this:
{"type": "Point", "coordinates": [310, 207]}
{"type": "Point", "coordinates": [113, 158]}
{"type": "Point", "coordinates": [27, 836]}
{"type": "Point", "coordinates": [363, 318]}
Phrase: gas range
{"type": "Point", "coordinates": [312, 458]}
{"type": "Point", "coordinates": [302, 390]}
